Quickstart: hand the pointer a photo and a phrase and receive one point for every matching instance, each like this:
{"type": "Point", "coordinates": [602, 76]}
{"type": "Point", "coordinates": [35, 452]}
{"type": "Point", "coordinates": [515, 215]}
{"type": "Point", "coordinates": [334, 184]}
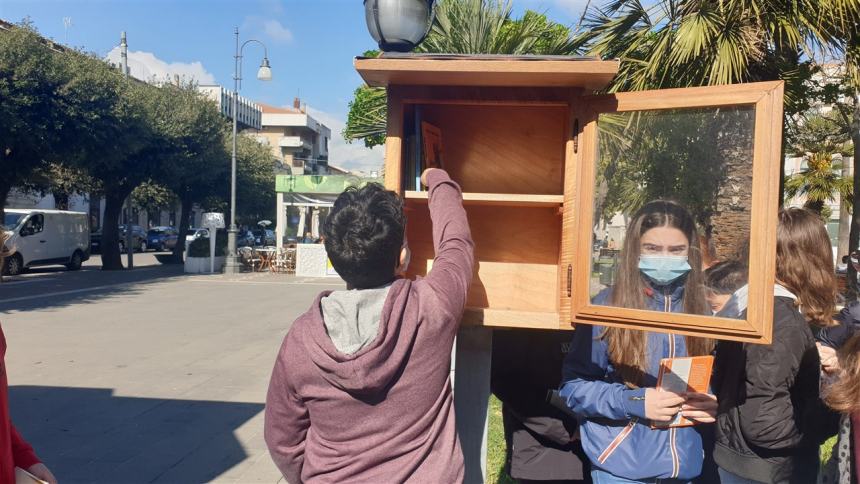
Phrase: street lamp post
{"type": "Point", "coordinates": [264, 74]}
{"type": "Point", "coordinates": [129, 234]}
{"type": "Point", "coordinates": [398, 25]}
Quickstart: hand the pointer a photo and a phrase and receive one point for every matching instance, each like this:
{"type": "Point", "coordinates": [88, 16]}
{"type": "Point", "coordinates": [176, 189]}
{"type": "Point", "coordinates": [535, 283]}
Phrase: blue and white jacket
{"type": "Point", "coordinates": [616, 436]}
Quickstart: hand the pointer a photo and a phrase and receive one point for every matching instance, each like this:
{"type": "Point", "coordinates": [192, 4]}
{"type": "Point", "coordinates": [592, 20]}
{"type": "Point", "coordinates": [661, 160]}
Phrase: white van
{"type": "Point", "coordinates": [46, 237]}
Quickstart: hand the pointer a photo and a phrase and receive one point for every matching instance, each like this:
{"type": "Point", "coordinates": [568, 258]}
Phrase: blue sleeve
{"type": "Point", "coordinates": [848, 321]}
{"type": "Point", "coordinates": [584, 387]}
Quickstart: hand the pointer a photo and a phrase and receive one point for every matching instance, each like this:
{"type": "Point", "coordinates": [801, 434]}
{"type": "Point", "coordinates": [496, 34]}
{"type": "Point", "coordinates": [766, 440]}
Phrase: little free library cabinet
{"type": "Point", "coordinates": [554, 174]}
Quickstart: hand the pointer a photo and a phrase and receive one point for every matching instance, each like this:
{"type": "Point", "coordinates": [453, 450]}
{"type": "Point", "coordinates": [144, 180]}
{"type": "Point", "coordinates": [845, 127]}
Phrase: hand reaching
{"type": "Point", "coordinates": [424, 175]}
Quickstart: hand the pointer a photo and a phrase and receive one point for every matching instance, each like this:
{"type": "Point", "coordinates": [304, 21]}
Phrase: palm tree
{"type": "Point", "coordinates": [683, 43]}
{"type": "Point", "coordinates": [819, 182]}
{"type": "Point", "coordinates": [462, 27]}
{"type": "Point", "coordinates": [820, 140]}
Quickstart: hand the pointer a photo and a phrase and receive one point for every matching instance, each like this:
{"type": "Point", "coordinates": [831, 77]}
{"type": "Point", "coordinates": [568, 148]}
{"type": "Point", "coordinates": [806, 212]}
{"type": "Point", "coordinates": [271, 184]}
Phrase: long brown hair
{"type": "Point", "coordinates": [844, 395]}
{"type": "Point", "coordinates": [804, 264]}
{"type": "Point", "coordinates": [628, 347]}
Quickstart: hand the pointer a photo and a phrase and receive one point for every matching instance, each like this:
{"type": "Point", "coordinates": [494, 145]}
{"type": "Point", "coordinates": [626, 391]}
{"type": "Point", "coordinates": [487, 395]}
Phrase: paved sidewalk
{"type": "Point", "coordinates": [148, 376]}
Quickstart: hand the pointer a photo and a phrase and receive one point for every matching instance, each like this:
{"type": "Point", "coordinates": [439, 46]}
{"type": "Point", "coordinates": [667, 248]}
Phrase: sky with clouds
{"type": "Point", "coordinates": [310, 44]}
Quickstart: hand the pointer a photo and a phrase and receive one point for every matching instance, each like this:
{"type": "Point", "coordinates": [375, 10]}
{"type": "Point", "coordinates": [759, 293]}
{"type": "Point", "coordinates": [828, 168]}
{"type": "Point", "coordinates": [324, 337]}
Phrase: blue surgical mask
{"type": "Point", "coordinates": [663, 269]}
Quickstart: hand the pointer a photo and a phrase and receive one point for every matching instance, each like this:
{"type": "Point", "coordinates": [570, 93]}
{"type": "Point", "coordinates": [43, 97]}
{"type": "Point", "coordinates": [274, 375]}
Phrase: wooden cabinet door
{"type": "Point", "coordinates": [714, 150]}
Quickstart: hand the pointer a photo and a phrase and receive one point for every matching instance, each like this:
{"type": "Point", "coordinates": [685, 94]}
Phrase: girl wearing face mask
{"type": "Point", "coordinates": [610, 373]}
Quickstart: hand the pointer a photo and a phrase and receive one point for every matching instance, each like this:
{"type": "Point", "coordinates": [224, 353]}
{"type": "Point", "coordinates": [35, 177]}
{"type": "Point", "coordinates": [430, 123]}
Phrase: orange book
{"type": "Point", "coordinates": [432, 139]}
{"type": "Point", "coordinates": [683, 375]}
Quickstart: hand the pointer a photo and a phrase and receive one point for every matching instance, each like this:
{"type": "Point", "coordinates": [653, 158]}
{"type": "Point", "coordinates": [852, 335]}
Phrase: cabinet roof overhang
{"type": "Point", "coordinates": [486, 70]}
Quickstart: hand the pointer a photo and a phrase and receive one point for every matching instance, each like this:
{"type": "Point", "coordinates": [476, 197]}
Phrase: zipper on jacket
{"type": "Point", "coordinates": [676, 464]}
{"type": "Point", "coordinates": [621, 437]}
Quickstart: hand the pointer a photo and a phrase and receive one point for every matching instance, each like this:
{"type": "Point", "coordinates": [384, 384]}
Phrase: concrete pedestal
{"type": "Point", "coordinates": [311, 260]}
{"type": "Point", "coordinates": [471, 378]}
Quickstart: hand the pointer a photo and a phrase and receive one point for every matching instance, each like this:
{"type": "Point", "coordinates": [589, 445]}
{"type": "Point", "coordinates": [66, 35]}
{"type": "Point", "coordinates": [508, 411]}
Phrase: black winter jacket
{"type": "Point", "coordinates": [770, 420]}
{"type": "Point", "coordinates": [542, 441]}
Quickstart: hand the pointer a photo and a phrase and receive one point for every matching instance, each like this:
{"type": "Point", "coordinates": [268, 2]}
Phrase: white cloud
{"type": "Point", "coordinates": [147, 67]}
{"type": "Point", "coordinates": [273, 29]}
{"type": "Point", "coordinates": [276, 31]}
{"type": "Point", "coordinates": [352, 156]}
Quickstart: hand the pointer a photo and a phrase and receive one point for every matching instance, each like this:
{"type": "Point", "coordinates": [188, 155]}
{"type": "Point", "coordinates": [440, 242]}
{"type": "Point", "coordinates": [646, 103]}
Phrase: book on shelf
{"type": "Point", "coordinates": [417, 149]}
{"type": "Point", "coordinates": [432, 141]}
{"type": "Point", "coordinates": [683, 375]}
{"type": "Point", "coordinates": [423, 150]}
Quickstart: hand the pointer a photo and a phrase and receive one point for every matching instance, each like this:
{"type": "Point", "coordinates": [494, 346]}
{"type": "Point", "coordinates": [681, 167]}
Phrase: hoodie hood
{"type": "Point", "coordinates": [352, 317]}
{"type": "Point", "coordinates": [375, 364]}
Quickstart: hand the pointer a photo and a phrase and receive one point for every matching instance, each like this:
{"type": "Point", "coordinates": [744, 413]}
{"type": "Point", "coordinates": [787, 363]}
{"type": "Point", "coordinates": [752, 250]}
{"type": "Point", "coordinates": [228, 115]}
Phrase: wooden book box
{"type": "Point", "coordinates": [520, 137]}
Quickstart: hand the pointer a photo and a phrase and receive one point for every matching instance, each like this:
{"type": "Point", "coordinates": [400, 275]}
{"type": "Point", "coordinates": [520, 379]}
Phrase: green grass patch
{"type": "Point", "coordinates": [496, 446]}
{"type": "Point", "coordinates": [826, 449]}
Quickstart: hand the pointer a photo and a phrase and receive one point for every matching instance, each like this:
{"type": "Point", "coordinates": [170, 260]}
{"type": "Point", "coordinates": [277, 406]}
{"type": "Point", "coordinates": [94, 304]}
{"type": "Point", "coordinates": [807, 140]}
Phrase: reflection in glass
{"type": "Point", "coordinates": [673, 196]}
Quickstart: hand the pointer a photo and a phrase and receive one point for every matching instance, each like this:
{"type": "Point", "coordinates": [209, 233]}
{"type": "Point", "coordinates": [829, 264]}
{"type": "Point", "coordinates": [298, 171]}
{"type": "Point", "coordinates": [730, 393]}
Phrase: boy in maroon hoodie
{"type": "Point", "coordinates": [361, 389]}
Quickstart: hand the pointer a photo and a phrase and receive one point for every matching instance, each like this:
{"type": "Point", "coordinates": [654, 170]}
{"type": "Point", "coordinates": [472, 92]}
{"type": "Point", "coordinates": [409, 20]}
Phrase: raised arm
{"type": "Point", "coordinates": [453, 265]}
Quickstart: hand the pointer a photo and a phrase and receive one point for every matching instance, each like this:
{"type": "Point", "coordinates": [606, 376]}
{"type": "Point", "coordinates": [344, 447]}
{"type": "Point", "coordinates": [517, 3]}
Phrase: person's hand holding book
{"type": "Point", "coordinates": [700, 407]}
{"type": "Point", "coordinates": [662, 406]}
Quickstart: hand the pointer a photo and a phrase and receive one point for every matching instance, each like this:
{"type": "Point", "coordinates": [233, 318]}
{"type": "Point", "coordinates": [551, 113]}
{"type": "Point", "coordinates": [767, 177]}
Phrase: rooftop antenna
{"type": "Point", "coordinates": [67, 22]}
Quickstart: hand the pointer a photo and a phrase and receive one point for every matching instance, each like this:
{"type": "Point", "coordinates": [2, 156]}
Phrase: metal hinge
{"type": "Point", "coordinates": [575, 135]}
{"type": "Point", "coordinates": [569, 277]}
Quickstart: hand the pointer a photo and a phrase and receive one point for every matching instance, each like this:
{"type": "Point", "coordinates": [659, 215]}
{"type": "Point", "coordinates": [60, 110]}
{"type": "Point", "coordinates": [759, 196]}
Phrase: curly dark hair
{"type": "Point", "coordinates": [364, 235]}
{"type": "Point", "coordinates": [726, 277]}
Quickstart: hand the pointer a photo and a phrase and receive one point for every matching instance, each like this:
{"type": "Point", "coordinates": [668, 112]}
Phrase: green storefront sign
{"type": "Point", "coordinates": [319, 184]}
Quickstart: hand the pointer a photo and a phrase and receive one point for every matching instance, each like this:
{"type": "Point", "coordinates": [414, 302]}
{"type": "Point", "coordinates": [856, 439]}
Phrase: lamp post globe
{"type": "Point", "coordinates": [265, 72]}
{"type": "Point", "coordinates": [398, 25]}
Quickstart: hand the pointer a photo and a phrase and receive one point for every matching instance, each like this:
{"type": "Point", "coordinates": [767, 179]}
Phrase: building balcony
{"type": "Point", "coordinates": [296, 142]}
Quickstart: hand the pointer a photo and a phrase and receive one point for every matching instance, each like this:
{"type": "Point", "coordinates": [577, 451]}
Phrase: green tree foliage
{"type": "Point", "coordinates": [70, 123]}
{"type": "Point", "coordinates": [682, 43]}
{"type": "Point", "coordinates": [116, 141]}
{"type": "Point", "coordinates": [32, 98]}
{"type": "Point", "coordinates": [152, 197]}
{"type": "Point", "coordinates": [366, 117]}
{"type": "Point", "coordinates": [676, 154]}
{"type": "Point", "coordinates": [462, 27]}
{"type": "Point", "coordinates": [255, 183]}
{"type": "Point", "coordinates": [193, 164]}
{"type": "Point", "coordinates": [822, 142]}
{"type": "Point", "coordinates": [486, 27]}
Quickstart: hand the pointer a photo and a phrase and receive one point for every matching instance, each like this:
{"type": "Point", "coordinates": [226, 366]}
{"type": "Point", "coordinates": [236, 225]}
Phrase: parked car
{"type": "Point", "coordinates": [45, 237]}
{"type": "Point", "coordinates": [96, 242]}
{"type": "Point", "coordinates": [162, 238]}
{"type": "Point", "coordinates": [138, 238]}
{"type": "Point", "coordinates": [264, 237]}
{"type": "Point", "coordinates": [195, 233]}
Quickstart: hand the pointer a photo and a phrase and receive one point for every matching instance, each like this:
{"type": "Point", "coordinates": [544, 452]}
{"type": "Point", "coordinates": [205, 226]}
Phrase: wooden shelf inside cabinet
{"type": "Point", "coordinates": [502, 199]}
{"type": "Point", "coordinates": [508, 318]}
